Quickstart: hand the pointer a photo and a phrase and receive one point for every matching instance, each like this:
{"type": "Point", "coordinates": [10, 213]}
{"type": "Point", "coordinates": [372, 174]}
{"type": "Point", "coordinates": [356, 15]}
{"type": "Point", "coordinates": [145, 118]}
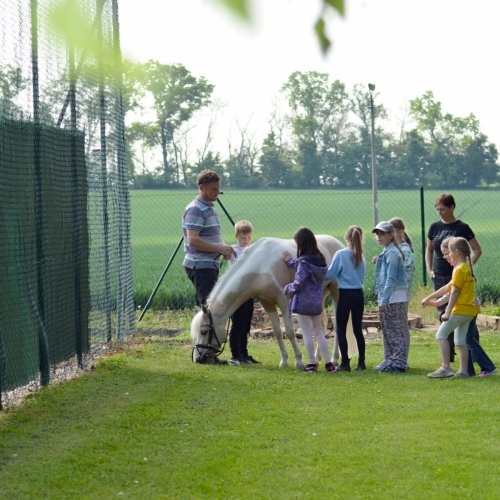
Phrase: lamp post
{"type": "Point", "coordinates": [371, 88]}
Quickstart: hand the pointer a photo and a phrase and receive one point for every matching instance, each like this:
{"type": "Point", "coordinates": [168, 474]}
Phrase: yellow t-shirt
{"type": "Point", "coordinates": [462, 278]}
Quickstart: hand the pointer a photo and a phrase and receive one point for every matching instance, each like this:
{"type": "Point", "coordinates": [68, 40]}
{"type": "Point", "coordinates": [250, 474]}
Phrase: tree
{"type": "Point", "coordinates": [350, 164]}
{"type": "Point", "coordinates": [479, 164]}
{"type": "Point", "coordinates": [140, 139]}
{"type": "Point", "coordinates": [319, 113]}
{"type": "Point", "coordinates": [241, 165]}
{"type": "Point", "coordinates": [12, 83]}
{"type": "Point", "coordinates": [177, 95]}
{"type": "Point", "coordinates": [459, 153]}
{"type": "Point", "coordinates": [181, 144]}
{"type": "Point", "coordinates": [360, 105]}
{"type": "Point", "coordinates": [274, 164]}
{"type": "Point", "coordinates": [211, 161]}
{"type": "Point", "coordinates": [411, 162]}
{"type": "Point", "coordinates": [428, 115]}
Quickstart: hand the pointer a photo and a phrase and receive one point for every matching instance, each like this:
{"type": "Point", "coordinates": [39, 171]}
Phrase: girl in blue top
{"type": "Point", "coordinates": [404, 242]}
{"type": "Point", "coordinates": [392, 289]}
{"type": "Point", "coordinates": [348, 268]}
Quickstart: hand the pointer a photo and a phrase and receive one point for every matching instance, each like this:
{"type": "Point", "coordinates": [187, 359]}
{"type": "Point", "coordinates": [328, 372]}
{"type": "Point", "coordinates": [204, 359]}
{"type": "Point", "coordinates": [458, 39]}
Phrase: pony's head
{"type": "Point", "coordinates": [206, 344]}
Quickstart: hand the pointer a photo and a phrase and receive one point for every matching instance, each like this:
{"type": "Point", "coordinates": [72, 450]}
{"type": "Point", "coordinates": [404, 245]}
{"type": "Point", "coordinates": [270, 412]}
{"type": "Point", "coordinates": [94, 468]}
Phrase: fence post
{"type": "Point", "coordinates": [225, 211]}
{"type": "Point", "coordinates": [153, 293]}
{"type": "Point", "coordinates": [424, 244]}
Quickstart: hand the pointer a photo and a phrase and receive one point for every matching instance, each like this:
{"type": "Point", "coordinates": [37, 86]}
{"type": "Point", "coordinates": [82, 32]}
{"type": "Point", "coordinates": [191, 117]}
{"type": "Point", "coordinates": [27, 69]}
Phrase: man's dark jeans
{"type": "Point", "coordinates": [203, 280]}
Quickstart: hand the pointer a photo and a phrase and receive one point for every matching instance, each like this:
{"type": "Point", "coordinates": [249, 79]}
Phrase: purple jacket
{"type": "Point", "coordinates": [307, 288]}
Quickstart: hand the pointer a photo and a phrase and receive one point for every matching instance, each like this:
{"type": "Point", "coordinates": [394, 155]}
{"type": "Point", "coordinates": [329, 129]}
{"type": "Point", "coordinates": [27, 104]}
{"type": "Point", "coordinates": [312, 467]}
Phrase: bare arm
{"type": "Point", "coordinates": [476, 250]}
{"type": "Point", "coordinates": [195, 240]}
{"type": "Point", "coordinates": [438, 293]}
{"type": "Point", "coordinates": [455, 291]}
{"type": "Point", "coordinates": [429, 255]}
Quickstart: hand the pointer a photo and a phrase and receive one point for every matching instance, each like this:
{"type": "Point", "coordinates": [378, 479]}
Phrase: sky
{"type": "Point", "coordinates": [403, 47]}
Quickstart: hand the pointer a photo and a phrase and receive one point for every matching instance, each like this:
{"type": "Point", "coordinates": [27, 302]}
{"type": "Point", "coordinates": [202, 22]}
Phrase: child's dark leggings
{"type": "Point", "coordinates": [351, 302]}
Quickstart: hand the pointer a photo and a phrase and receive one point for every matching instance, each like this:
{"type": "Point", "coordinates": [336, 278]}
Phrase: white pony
{"type": "Point", "coordinates": [261, 273]}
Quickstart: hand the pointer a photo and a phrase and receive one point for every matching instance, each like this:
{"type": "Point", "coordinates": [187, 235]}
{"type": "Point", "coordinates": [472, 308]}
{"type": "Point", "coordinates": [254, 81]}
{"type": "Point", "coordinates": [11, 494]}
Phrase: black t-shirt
{"type": "Point", "coordinates": [440, 231]}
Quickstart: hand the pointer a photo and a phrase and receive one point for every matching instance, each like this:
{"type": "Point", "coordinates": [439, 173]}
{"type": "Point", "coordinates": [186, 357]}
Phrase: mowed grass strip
{"type": "Point", "coordinates": [147, 423]}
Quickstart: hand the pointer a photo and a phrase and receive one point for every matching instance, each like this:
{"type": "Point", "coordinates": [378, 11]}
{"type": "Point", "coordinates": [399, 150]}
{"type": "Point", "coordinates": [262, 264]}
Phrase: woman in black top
{"type": "Point", "coordinates": [438, 268]}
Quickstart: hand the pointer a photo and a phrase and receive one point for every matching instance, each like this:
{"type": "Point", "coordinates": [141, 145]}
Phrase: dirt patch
{"type": "Point", "coordinates": [157, 332]}
{"type": "Point", "coordinates": [261, 327]}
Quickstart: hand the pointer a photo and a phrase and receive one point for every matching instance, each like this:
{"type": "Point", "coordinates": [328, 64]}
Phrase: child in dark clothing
{"type": "Point", "coordinates": [241, 320]}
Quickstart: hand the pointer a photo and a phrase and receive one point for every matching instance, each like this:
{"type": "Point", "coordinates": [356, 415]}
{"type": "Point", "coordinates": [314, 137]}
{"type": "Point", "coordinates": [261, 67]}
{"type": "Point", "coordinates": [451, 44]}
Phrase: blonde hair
{"type": "Point", "coordinates": [462, 245]}
{"type": "Point", "coordinates": [446, 242]}
{"type": "Point", "coordinates": [354, 238]}
{"type": "Point", "coordinates": [243, 226]}
{"type": "Point", "coordinates": [398, 224]}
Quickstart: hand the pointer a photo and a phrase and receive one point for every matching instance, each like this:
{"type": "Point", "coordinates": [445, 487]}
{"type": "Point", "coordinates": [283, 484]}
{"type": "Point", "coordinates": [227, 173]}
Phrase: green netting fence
{"type": "Point", "coordinates": [65, 251]}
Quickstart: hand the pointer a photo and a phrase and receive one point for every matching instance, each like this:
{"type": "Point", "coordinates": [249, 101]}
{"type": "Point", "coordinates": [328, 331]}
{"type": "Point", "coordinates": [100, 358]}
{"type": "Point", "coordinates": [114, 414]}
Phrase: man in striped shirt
{"type": "Point", "coordinates": [203, 243]}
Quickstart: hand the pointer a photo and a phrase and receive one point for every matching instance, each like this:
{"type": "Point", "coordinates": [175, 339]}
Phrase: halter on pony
{"type": "Point", "coordinates": [209, 352]}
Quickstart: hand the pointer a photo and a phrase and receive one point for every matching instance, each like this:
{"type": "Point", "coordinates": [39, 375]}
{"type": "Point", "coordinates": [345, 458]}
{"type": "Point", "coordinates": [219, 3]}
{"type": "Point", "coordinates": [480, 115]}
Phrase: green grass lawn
{"type": "Point", "coordinates": [156, 229]}
{"type": "Point", "coordinates": [147, 423]}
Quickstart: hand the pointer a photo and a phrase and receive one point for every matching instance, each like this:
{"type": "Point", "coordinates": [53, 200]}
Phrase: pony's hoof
{"type": "Point", "coordinates": [283, 364]}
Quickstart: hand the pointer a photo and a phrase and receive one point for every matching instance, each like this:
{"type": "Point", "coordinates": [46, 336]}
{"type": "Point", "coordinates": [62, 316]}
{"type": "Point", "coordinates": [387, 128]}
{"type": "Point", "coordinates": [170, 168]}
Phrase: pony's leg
{"type": "Point", "coordinates": [336, 350]}
{"type": "Point", "coordinates": [275, 322]}
{"type": "Point", "coordinates": [290, 333]}
{"type": "Point", "coordinates": [351, 342]}
{"type": "Point", "coordinates": [334, 293]}
{"type": "Point", "coordinates": [324, 321]}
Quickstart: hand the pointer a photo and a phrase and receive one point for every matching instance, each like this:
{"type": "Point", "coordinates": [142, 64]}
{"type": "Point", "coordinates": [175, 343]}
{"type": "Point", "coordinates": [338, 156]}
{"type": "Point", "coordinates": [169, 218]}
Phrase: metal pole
{"type": "Point", "coordinates": [225, 211]}
{"type": "Point", "coordinates": [37, 138]}
{"type": "Point", "coordinates": [146, 307]}
{"type": "Point", "coordinates": [371, 88]}
{"type": "Point", "coordinates": [422, 225]}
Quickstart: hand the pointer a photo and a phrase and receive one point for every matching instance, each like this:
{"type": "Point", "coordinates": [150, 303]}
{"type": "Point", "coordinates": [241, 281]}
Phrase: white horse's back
{"type": "Point", "coordinates": [265, 258]}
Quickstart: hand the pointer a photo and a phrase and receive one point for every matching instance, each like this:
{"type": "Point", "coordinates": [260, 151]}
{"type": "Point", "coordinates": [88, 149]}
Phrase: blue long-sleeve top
{"type": "Point", "coordinates": [343, 270]}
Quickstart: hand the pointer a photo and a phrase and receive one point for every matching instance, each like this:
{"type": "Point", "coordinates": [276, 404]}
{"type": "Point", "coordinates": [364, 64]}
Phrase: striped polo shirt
{"type": "Point", "coordinates": [201, 216]}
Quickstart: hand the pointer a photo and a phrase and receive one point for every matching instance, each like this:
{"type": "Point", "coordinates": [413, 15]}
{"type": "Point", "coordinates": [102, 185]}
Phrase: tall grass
{"type": "Point", "coordinates": [156, 230]}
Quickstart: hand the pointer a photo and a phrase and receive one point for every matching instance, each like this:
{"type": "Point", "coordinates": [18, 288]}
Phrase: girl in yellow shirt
{"type": "Point", "coordinates": [460, 309]}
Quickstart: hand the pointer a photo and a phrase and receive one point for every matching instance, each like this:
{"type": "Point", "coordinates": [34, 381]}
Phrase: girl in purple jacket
{"type": "Point", "coordinates": [307, 295]}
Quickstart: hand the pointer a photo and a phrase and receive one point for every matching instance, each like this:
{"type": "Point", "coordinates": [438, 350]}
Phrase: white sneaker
{"type": "Point", "coordinates": [381, 365]}
{"type": "Point", "coordinates": [442, 372]}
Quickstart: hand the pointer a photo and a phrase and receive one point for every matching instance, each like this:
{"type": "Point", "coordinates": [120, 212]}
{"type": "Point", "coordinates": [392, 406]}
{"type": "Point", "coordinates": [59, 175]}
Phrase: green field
{"type": "Point", "coordinates": [156, 229]}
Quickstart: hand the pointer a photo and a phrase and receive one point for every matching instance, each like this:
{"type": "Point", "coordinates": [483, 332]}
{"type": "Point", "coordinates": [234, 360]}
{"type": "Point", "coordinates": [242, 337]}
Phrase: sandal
{"type": "Point", "coordinates": [330, 368]}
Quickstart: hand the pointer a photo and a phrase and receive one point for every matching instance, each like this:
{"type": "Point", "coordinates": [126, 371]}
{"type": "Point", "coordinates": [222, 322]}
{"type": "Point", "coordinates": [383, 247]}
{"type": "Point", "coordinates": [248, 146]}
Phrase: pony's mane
{"type": "Point", "coordinates": [233, 268]}
{"type": "Point", "coordinates": [196, 325]}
